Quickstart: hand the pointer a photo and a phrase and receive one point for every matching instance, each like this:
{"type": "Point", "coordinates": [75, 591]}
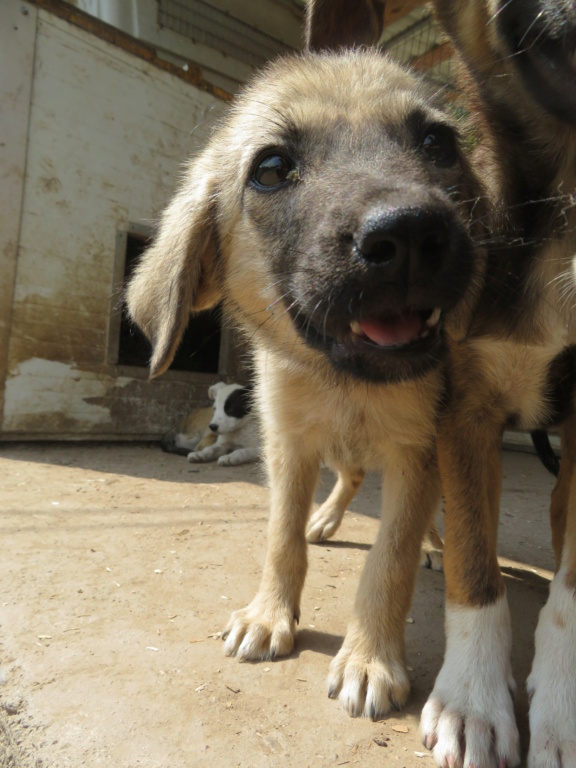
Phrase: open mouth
{"type": "Point", "coordinates": [386, 347]}
{"type": "Point", "coordinates": [396, 331]}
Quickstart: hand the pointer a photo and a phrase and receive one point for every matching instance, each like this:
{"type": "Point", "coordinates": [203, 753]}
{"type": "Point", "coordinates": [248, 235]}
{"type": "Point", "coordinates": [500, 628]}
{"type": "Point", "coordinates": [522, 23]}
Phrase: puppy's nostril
{"type": "Point", "coordinates": [378, 247]}
{"type": "Point", "coordinates": [380, 251]}
{"type": "Point", "coordinates": [434, 245]}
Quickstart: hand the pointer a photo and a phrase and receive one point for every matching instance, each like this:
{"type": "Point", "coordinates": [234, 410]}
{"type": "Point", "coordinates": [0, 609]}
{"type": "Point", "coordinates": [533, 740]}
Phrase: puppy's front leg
{"type": "Point", "coordinates": [469, 717]}
{"type": "Point", "coordinates": [211, 453]}
{"type": "Point", "coordinates": [369, 673]}
{"type": "Point", "coordinates": [266, 628]}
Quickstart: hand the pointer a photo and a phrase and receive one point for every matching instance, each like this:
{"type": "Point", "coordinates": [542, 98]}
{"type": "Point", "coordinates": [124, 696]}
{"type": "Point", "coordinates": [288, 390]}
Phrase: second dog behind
{"type": "Point", "coordinates": [234, 426]}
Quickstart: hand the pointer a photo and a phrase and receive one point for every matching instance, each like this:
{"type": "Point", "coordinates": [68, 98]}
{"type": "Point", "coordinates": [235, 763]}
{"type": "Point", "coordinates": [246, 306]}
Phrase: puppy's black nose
{"type": "Point", "coordinates": [400, 240]}
{"type": "Point", "coordinates": [213, 427]}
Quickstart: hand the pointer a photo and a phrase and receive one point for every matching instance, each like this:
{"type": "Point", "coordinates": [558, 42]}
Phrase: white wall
{"type": "Point", "coordinates": [107, 136]}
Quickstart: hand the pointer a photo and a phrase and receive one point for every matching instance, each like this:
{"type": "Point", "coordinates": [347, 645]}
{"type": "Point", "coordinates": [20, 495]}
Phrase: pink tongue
{"type": "Point", "coordinates": [393, 331]}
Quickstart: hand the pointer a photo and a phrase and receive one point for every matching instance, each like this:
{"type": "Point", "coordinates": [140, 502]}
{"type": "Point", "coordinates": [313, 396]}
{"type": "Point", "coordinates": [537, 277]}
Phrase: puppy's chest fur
{"type": "Point", "coordinates": [346, 421]}
{"type": "Point", "coordinates": [516, 378]}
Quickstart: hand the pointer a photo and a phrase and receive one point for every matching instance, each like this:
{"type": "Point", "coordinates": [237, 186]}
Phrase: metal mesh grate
{"type": "Point", "coordinates": [417, 41]}
{"type": "Point", "coordinates": [209, 26]}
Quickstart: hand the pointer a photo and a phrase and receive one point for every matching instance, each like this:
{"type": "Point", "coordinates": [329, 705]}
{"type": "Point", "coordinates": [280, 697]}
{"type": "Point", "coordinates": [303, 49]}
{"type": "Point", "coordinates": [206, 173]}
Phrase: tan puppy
{"type": "Point", "coordinates": [332, 213]}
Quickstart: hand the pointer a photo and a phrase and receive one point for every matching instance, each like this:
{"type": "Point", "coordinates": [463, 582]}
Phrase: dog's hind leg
{"type": "Point", "coordinates": [326, 520]}
{"type": "Point", "coordinates": [266, 628]}
{"type": "Point", "coordinates": [432, 551]}
{"type": "Point", "coordinates": [368, 674]}
{"type": "Point", "coordinates": [551, 681]}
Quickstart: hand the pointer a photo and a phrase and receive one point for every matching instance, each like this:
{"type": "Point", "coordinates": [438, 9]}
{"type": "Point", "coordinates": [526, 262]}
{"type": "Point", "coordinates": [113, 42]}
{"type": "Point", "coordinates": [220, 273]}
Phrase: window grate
{"type": "Point", "coordinates": [206, 25]}
{"type": "Point", "coordinates": [418, 42]}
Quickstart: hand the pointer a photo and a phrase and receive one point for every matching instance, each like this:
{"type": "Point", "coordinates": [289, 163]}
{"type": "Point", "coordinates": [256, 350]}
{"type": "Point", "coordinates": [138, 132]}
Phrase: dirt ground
{"type": "Point", "coordinates": [120, 565]}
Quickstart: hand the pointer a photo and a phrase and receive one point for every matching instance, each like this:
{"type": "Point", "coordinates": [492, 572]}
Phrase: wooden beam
{"type": "Point", "coordinates": [192, 74]}
{"type": "Point", "coordinates": [435, 55]}
{"type": "Point", "coordinates": [397, 9]}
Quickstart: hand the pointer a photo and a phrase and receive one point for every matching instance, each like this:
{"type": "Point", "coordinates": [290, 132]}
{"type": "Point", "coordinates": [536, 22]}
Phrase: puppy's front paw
{"type": "Point", "coordinates": [368, 680]}
{"type": "Point", "coordinates": [552, 682]}
{"type": "Point", "coordinates": [195, 456]}
{"type": "Point", "coordinates": [469, 717]}
{"type": "Point", "coordinates": [226, 461]}
{"type": "Point", "coordinates": [324, 523]}
{"type": "Point", "coordinates": [262, 630]}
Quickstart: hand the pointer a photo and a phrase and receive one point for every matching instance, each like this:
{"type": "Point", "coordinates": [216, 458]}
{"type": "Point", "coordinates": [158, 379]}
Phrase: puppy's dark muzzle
{"type": "Point", "coordinates": [401, 244]}
{"type": "Point", "coordinates": [395, 274]}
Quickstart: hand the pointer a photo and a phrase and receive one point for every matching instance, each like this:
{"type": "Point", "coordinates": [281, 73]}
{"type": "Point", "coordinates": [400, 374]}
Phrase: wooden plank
{"type": "Point", "coordinates": [397, 9]}
{"type": "Point", "coordinates": [435, 55]}
{"type": "Point", "coordinates": [192, 74]}
{"type": "Point", "coordinates": [17, 36]}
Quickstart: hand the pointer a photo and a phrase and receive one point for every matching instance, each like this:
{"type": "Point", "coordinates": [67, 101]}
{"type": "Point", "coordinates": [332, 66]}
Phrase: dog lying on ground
{"type": "Point", "coordinates": [336, 215]}
{"type": "Point", "coordinates": [227, 432]}
{"type": "Point", "coordinates": [234, 425]}
{"type": "Point", "coordinates": [516, 367]}
{"type": "Point", "coordinates": [193, 433]}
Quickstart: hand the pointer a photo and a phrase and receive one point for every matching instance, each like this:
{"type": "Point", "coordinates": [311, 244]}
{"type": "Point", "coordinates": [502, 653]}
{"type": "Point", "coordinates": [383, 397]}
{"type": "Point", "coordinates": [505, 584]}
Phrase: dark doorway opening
{"type": "Point", "coordinates": [199, 351]}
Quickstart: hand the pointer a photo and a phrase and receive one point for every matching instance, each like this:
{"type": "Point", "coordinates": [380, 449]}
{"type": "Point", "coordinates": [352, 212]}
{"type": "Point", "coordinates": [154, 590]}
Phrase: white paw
{"type": "Point", "coordinates": [468, 720]}
{"type": "Point", "coordinates": [368, 680]}
{"type": "Point", "coordinates": [323, 524]}
{"type": "Point", "coordinates": [262, 630]}
{"type": "Point", "coordinates": [226, 460]}
{"type": "Point", "coordinates": [552, 682]}
{"type": "Point", "coordinates": [195, 456]}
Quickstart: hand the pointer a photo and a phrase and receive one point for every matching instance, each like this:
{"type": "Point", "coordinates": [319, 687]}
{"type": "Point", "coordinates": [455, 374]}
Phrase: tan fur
{"type": "Point", "coordinates": [326, 520]}
{"type": "Point", "coordinates": [499, 375]}
{"type": "Point", "coordinates": [510, 378]}
{"type": "Point", "coordinates": [209, 248]}
{"type": "Point", "coordinates": [195, 425]}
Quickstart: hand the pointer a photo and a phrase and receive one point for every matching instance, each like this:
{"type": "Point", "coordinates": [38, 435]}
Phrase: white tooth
{"type": "Point", "coordinates": [425, 335]}
{"type": "Point", "coordinates": [355, 327]}
{"type": "Point", "coordinates": [434, 318]}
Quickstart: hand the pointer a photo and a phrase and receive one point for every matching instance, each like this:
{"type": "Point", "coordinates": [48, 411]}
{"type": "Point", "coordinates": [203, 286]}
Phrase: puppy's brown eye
{"type": "Point", "coordinates": [439, 145]}
{"type": "Point", "coordinates": [272, 170]}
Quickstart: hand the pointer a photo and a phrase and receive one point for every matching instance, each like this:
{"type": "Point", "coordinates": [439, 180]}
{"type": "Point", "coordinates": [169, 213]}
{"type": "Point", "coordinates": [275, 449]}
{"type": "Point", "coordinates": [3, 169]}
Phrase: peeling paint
{"type": "Point", "coordinates": [47, 398]}
{"type": "Point", "coordinates": [50, 389]}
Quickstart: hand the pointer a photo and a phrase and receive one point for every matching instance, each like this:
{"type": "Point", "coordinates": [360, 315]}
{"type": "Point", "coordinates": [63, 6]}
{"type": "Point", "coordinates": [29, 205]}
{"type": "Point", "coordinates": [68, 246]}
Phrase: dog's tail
{"type": "Point", "coordinates": [545, 451]}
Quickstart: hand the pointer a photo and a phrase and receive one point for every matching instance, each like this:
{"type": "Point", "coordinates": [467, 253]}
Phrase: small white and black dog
{"type": "Point", "coordinates": [234, 425]}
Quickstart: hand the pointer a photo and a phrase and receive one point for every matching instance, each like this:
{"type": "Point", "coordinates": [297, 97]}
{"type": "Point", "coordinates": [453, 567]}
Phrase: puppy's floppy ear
{"type": "Point", "coordinates": [213, 390]}
{"type": "Point", "coordinates": [332, 24]}
{"type": "Point", "coordinates": [179, 273]}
